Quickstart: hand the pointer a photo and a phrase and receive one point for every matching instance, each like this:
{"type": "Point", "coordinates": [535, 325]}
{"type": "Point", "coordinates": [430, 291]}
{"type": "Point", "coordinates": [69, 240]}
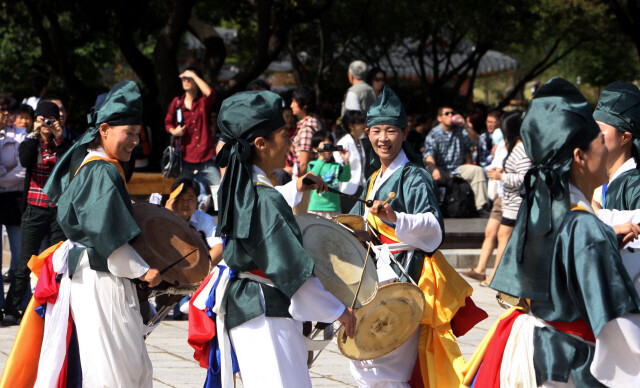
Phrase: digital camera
{"type": "Point", "coordinates": [48, 122]}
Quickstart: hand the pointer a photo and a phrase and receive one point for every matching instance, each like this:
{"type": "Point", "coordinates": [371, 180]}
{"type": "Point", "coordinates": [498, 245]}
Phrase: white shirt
{"type": "Point", "coordinates": [356, 164]}
{"type": "Point", "coordinates": [207, 225]}
{"type": "Point", "coordinates": [352, 102]}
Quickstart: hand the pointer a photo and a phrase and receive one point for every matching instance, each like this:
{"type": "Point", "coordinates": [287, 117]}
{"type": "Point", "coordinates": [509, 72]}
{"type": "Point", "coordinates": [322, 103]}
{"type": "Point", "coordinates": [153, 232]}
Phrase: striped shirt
{"type": "Point", "coordinates": [302, 141]}
{"type": "Point", "coordinates": [515, 168]}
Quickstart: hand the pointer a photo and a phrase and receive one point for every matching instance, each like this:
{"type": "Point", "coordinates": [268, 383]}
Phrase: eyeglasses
{"type": "Point", "coordinates": [449, 113]}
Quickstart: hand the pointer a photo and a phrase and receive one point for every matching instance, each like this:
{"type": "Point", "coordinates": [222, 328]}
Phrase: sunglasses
{"type": "Point", "coordinates": [379, 79]}
{"type": "Point", "coordinates": [449, 113]}
{"type": "Point", "coordinates": [186, 79]}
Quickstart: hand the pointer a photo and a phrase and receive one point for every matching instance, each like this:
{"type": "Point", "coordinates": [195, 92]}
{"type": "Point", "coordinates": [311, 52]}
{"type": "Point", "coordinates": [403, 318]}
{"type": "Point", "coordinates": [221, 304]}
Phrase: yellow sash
{"type": "Point", "coordinates": [376, 223]}
{"type": "Point", "coordinates": [94, 158]}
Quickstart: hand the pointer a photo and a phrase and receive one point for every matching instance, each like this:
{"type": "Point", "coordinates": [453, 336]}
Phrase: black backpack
{"type": "Point", "coordinates": [459, 201]}
{"type": "Point", "coordinates": [172, 159]}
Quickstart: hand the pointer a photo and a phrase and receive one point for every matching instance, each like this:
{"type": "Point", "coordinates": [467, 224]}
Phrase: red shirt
{"type": "Point", "coordinates": [197, 142]}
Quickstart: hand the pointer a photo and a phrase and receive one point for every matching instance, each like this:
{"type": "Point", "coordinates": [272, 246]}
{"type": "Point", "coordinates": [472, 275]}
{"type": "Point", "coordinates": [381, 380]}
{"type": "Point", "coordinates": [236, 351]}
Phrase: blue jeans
{"type": "Point", "coordinates": [208, 172]}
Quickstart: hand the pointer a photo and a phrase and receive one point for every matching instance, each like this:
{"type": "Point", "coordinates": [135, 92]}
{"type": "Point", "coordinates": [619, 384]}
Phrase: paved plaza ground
{"type": "Point", "coordinates": [174, 366]}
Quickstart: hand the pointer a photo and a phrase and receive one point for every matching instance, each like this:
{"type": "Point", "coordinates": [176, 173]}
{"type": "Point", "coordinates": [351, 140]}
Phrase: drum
{"type": "Point", "coordinates": [165, 239]}
{"type": "Point", "coordinates": [385, 323]}
{"type": "Point", "coordinates": [339, 258]}
{"type": "Point", "coordinates": [357, 225]}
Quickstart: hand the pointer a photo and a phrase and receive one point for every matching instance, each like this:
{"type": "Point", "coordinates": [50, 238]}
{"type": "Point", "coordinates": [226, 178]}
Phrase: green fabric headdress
{"type": "Point", "coordinates": [619, 106]}
{"type": "Point", "coordinates": [388, 110]}
{"type": "Point", "coordinates": [558, 121]}
{"type": "Point", "coordinates": [243, 117]}
{"type": "Point", "coordinates": [122, 106]}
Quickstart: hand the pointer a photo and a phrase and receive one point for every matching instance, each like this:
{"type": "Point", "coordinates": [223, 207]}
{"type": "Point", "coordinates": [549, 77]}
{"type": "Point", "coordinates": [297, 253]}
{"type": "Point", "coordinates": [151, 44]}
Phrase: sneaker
{"type": "Point", "coordinates": [10, 320]}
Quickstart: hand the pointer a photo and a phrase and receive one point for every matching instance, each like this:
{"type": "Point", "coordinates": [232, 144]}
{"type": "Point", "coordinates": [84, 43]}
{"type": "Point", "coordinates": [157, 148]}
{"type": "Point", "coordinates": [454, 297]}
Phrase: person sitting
{"type": "Point", "coordinates": [447, 153]}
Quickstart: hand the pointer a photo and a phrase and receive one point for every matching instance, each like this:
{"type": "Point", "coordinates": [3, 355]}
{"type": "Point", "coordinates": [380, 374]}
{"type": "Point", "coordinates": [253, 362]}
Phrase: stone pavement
{"type": "Point", "coordinates": [174, 366]}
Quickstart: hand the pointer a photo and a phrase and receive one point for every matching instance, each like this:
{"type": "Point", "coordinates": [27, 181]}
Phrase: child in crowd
{"type": "Point", "coordinates": [327, 204]}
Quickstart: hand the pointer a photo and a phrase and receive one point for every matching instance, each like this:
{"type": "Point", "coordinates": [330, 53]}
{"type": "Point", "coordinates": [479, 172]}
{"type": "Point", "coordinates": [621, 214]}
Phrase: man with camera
{"type": "Point", "coordinates": [38, 153]}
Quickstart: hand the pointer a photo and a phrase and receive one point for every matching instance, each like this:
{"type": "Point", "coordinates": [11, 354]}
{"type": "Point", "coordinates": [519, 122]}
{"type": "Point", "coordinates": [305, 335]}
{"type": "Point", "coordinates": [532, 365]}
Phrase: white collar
{"type": "Point", "coordinates": [397, 163]}
{"type": "Point", "coordinates": [98, 151]}
{"type": "Point", "coordinates": [579, 199]}
{"type": "Point", "coordinates": [260, 176]}
{"type": "Point", "coordinates": [626, 166]}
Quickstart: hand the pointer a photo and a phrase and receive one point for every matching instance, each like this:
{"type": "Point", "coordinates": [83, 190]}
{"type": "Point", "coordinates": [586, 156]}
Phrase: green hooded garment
{"type": "Point", "coordinates": [258, 224]}
{"type": "Point", "coordinates": [94, 208]}
{"type": "Point", "coordinates": [566, 261]}
{"type": "Point", "coordinates": [415, 190]}
{"type": "Point", "coordinates": [619, 106]}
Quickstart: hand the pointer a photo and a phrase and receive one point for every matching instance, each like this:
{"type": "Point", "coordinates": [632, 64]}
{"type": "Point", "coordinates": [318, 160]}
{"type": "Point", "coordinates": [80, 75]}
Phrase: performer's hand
{"type": "Point", "coordinates": [318, 183]}
{"type": "Point", "coordinates": [626, 233]}
{"type": "Point", "coordinates": [152, 277]}
{"type": "Point", "coordinates": [385, 214]}
{"type": "Point", "coordinates": [348, 320]}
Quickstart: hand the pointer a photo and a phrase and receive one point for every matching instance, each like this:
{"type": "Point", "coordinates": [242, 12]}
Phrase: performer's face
{"type": "Point", "coordinates": [386, 141]}
{"type": "Point", "coordinates": [594, 166]}
{"type": "Point", "coordinates": [273, 150]}
{"type": "Point", "coordinates": [119, 141]}
{"type": "Point", "coordinates": [615, 142]}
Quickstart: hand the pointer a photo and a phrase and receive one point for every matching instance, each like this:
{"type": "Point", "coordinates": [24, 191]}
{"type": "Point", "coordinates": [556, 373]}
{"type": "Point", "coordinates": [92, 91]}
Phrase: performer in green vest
{"type": "Point", "coordinates": [413, 219]}
{"type": "Point", "coordinates": [562, 261]}
{"type": "Point", "coordinates": [97, 263]}
{"type": "Point", "coordinates": [270, 284]}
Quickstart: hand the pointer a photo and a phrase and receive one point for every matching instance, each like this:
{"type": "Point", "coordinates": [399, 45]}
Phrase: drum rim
{"type": "Point", "coordinates": [342, 343]}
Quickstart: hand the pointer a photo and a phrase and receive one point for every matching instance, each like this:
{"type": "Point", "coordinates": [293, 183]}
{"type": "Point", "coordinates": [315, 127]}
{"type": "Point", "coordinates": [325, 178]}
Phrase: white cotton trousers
{"type": "Point", "coordinates": [107, 316]}
{"type": "Point", "coordinates": [271, 353]}
{"type": "Point", "coordinates": [390, 371]}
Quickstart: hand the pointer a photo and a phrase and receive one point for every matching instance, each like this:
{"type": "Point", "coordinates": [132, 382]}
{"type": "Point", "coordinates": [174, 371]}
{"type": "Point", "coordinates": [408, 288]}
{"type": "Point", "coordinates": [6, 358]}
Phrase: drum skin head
{"type": "Point", "coordinates": [352, 221]}
{"type": "Point", "coordinates": [339, 258]}
{"type": "Point", "coordinates": [165, 238]}
{"type": "Point", "coordinates": [385, 323]}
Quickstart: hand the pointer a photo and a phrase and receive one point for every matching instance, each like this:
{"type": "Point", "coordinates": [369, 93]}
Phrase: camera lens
{"type": "Point", "coordinates": [48, 122]}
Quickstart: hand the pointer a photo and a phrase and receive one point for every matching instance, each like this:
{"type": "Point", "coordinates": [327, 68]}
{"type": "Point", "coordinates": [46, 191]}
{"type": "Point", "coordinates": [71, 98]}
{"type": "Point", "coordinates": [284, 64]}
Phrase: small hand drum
{"type": "Point", "coordinates": [166, 238]}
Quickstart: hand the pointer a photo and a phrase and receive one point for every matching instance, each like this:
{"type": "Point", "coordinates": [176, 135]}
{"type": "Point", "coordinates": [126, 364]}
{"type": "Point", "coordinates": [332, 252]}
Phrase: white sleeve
{"type": "Point", "coordinates": [617, 355]}
{"type": "Point", "coordinates": [617, 217]}
{"type": "Point", "coordinates": [313, 303]}
{"type": "Point", "coordinates": [351, 102]}
{"type": "Point", "coordinates": [351, 186]}
{"type": "Point", "coordinates": [419, 230]}
{"type": "Point", "coordinates": [290, 193]}
{"type": "Point", "coordinates": [125, 262]}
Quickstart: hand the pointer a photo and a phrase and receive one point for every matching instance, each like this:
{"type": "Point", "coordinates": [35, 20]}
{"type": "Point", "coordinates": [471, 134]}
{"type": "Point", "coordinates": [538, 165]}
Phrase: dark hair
{"type": "Point", "coordinates": [258, 84]}
{"type": "Point", "coordinates": [188, 183]}
{"type": "Point", "coordinates": [24, 108]}
{"type": "Point", "coordinates": [443, 107]}
{"type": "Point", "coordinates": [195, 70]}
{"type": "Point", "coordinates": [496, 114]}
{"type": "Point", "coordinates": [320, 137]}
{"type": "Point", "coordinates": [510, 125]}
{"type": "Point", "coordinates": [476, 121]}
{"type": "Point", "coordinates": [372, 74]}
{"type": "Point", "coordinates": [6, 99]}
{"type": "Point", "coordinates": [306, 98]}
{"type": "Point", "coordinates": [350, 117]}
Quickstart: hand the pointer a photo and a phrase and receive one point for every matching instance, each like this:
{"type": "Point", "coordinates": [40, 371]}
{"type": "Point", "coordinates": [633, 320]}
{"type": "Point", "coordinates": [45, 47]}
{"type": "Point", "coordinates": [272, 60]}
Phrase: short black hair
{"type": "Point", "coordinates": [195, 70]}
{"type": "Point", "coordinates": [188, 183]}
{"type": "Point", "coordinates": [320, 137]}
{"type": "Point", "coordinates": [24, 108]}
{"type": "Point", "coordinates": [7, 100]}
{"type": "Point", "coordinates": [353, 117]}
{"type": "Point", "coordinates": [306, 98]}
{"type": "Point", "coordinates": [258, 84]}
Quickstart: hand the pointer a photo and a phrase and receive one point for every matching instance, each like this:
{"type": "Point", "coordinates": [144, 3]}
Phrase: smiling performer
{"type": "Point", "coordinates": [563, 260]}
{"type": "Point", "coordinates": [95, 213]}
{"type": "Point", "coordinates": [413, 218]}
{"type": "Point", "coordinates": [271, 287]}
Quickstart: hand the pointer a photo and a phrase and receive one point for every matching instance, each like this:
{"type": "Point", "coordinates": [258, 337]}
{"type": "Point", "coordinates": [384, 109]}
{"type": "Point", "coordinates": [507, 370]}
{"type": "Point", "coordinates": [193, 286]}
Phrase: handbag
{"type": "Point", "coordinates": [172, 159]}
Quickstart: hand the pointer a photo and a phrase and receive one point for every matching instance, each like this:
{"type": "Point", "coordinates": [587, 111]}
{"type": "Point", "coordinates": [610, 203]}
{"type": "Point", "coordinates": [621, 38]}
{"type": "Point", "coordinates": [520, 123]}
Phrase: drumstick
{"type": "Point", "coordinates": [368, 203]}
{"type": "Point", "coordinates": [392, 196]}
{"type": "Point", "coordinates": [355, 297]}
